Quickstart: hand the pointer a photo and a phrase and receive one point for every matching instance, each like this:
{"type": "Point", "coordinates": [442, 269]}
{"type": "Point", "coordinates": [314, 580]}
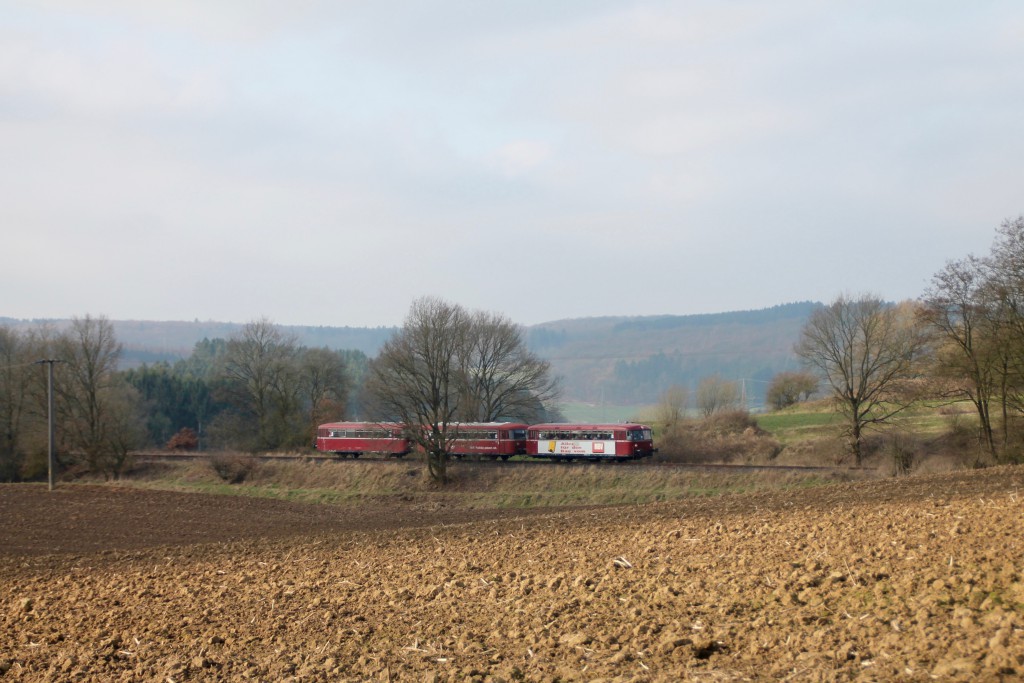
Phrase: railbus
{"type": "Point", "coordinates": [489, 439]}
{"type": "Point", "coordinates": [355, 438]}
{"type": "Point", "coordinates": [598, 442]}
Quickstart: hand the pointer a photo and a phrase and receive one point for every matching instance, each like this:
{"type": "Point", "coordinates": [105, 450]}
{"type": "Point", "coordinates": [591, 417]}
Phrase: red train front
{"type": "Point", "coordinates": [626, 441]}
{"type": "Point", "coordinates": [356, 438]}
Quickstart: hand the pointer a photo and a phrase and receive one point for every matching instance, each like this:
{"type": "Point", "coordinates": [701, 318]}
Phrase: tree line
{"type": "Point", "coordinates": [962, 340]}
{"type": "Point", "coordinates": [259, 390]}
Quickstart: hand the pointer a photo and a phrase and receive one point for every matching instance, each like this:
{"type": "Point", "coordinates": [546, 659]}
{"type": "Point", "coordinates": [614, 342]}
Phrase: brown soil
{"type": "Point", "coordinates": [911, 579]}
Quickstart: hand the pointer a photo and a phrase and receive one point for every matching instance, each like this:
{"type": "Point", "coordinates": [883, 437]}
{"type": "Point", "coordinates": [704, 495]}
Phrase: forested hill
{"type": "Point", "coordinates": [631, 361]}
{"type": "Point", "coordinates": [609, 360]}
{"type": "Point", "coordinates": [147, 341]}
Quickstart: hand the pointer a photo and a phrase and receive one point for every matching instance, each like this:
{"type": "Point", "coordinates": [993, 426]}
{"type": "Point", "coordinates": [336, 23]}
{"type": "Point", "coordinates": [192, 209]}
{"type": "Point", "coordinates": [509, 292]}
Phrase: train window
{"type": "Point", "coordinates": [518, 433]}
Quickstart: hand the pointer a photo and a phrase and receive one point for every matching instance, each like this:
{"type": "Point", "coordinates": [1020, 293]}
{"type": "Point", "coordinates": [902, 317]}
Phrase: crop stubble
{"type": "Point", "coordinates": [893, 580]}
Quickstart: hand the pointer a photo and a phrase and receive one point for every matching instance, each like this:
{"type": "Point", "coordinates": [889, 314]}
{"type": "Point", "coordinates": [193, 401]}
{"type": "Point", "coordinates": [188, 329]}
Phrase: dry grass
{"type": "Point", "coordinates": [547, 485]}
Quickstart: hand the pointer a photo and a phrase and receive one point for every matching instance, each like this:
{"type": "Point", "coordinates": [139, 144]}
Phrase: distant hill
{"type": "Point", "coordinates": [147, 341]}
{"type": "Point", "coordinates": [625, 361]}
{"type": "Point", "coordinates": [631, 361]}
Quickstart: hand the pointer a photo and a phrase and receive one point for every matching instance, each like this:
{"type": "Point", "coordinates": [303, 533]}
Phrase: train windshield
{"type": "Point", "coordinates": [638, 435]}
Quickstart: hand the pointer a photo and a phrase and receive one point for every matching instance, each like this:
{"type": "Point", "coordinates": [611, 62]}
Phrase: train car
{"type": "Point", "coordinates": [625, 441]}
{"type": "Point", "coordinates": [356, 438]}
{"type": "Point", "coordinates": [489, 439]}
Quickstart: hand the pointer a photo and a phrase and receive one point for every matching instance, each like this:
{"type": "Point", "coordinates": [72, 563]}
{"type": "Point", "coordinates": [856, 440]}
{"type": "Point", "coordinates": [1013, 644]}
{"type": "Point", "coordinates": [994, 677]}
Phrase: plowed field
{"type": "Point", "coordinates": [914, 579]}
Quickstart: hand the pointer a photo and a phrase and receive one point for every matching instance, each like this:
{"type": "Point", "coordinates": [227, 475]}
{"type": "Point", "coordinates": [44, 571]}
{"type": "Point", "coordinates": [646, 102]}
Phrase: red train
{"type": "Point", "coordinates": [627, 441]}
{"type": "Point", "coordinates": [555, 441]}
{"type": "Point", "coordinates": [356, 438]}
{"type": "Point", "coordinates": [489, 439]}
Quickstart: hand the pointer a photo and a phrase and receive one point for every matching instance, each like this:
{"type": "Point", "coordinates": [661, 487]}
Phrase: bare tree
{"type": "Point", "coordinates": [502, 378]}
{"type": "Point", "coordinates": [16, 368]}
{"type": "Point", "coordinates": [90, 352]}
{"type": "Point", "coordinates": [867, 351]}
{"type": "Point", "coordinates": [967, 358]}
{"type": "Point", "coordinates": [325, 384]}
{"type": "Point", "coordinates": [261, 381]}
{"type": "Point", "coordinates": [125, 428]}
{"type": "Point", "coordinates": [416, 378]}
{"type": "Point", "coordinates": [715, 395]}
{"type": "Point", "coordinates": [671, 407]}
{"type": "Point", "coordinates": [447, 364]}
{"type": "Point", "coordinates": [1004, 295]}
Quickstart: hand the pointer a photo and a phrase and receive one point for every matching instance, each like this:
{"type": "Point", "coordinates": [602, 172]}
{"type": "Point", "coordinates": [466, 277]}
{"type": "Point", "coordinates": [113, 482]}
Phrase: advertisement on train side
{"type": "Point", "coordinates": [581, 447]}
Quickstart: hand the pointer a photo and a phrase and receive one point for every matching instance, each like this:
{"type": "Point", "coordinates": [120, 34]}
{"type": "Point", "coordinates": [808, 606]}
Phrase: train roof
{"type": "Point", "coordinates": [346, 425]}
{"type": "Point", "coordinates": [458, 425]}
{"type": "Point", "coordinates": [590, 425]}
{"type": "Point", "coordinates": [486, 425]}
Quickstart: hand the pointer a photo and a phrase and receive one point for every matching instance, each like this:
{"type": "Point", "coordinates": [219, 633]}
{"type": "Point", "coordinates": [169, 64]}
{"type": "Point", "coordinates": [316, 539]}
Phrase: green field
{"type": "Point", "coordinates": [799, 423]}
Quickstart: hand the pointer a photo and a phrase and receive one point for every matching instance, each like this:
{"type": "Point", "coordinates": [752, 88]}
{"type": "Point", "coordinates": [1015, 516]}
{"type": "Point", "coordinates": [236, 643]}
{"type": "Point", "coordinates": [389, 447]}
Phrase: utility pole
{"type": "Point", "coordinates": [49, 414]}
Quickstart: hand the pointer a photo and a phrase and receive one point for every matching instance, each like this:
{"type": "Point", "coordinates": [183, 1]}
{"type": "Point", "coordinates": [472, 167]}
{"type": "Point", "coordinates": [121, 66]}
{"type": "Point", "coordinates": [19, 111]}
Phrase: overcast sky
{"type": "Point", "coordinates": [327, 162]}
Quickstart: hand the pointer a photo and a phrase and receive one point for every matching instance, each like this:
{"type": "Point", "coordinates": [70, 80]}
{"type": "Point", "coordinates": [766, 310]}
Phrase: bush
{"type": "Point", "coordinates": [724, 437]}
{"type": "Point", "coordinates": [904, 449]}
{"type": "Point", "coordinates": [233, 468]}
{"type": "Point", "coordinates": [185, 440]}
{"type": "Point", "coordinates": [732, 422]}
{"type": "Point", "coordinates": [787, 388]}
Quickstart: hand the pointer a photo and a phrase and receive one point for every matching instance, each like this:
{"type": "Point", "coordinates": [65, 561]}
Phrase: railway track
{"type": "Point", "coordinates": [163, 456]}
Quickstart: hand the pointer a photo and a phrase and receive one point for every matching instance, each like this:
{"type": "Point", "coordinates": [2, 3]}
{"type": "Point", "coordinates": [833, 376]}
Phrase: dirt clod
{"type": "Point", "coordinates": [842, 582]}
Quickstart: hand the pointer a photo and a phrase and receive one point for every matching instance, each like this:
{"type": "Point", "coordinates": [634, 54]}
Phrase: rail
{"type": "Point", "coordinates": [165, 456]}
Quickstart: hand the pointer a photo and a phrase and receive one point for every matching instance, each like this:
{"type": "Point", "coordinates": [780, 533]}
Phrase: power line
{"type": "Point", "coordinates": [25, 365]}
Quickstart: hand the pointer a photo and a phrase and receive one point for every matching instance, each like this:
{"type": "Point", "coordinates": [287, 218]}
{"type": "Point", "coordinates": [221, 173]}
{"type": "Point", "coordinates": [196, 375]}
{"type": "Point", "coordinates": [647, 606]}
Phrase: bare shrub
{"type": "Point", "coordinates": [233, 468]}
{"type": "Point", "coordinates": [1013, 449]}
{"type": "Point", "coordinates": [904, 449]}
{"type": "Point", "coordinates": [788, 388]}
{"type": "Point", "coordinates": [732, 422]}
{"type": "Point", "coordinates": [185, 440]}
{"type": "Point", "coordinates": [963, 439]}
{"type": "Point", "coordinates": [724, 437]}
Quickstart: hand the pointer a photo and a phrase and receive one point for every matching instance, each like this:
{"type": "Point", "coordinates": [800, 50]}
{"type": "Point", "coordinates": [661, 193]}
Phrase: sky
{"type": "Point", "coordinates": [328, 162]}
